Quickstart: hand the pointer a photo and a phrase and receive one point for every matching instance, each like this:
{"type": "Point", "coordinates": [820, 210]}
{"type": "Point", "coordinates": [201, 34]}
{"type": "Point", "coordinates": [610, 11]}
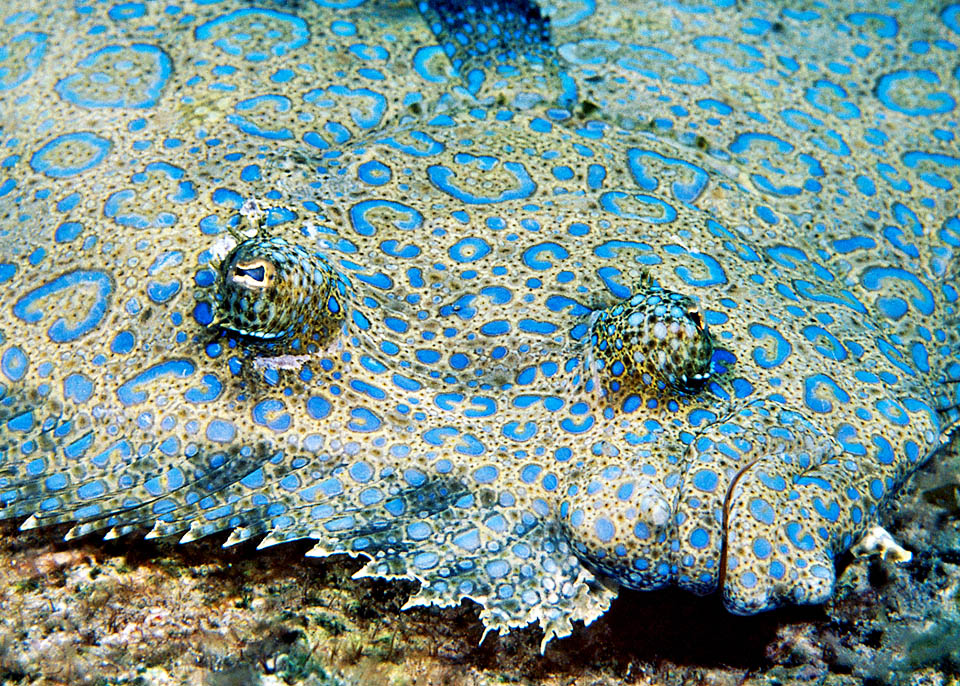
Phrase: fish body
{"type": "Point", "coordinates": [463, 214]}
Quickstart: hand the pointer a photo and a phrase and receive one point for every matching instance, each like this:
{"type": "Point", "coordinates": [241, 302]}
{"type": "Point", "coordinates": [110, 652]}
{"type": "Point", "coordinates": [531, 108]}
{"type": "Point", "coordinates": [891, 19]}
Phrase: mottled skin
{"type": "Point", "coordinates": [793, 174]}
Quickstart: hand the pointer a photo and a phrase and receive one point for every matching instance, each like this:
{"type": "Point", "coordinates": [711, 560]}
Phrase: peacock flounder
{"type": "Point", "coordinates": [657, 294]}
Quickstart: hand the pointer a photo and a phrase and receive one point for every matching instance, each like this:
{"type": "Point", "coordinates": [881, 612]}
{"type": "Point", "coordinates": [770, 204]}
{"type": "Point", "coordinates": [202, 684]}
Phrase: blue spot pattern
{"type": "Point", "coordinates": [431, 302]}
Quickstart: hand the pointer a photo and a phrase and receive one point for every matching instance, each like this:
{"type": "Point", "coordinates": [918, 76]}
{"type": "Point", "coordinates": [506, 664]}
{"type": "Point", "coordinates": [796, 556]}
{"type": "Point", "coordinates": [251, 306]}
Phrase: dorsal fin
{"type": "Point", "coordinates": [501, 49]}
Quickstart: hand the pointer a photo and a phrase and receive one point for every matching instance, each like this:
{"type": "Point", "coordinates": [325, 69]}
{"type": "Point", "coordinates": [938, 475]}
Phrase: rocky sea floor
{"type": "Point", "coordinates": [158, 613]}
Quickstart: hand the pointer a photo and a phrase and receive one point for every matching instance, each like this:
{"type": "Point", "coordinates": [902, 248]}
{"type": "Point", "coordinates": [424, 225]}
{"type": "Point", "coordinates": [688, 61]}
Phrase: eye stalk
{"type": "Point", "coordinates": [279, 293]}
{"type": "Point", "coordinates": [654, 336]}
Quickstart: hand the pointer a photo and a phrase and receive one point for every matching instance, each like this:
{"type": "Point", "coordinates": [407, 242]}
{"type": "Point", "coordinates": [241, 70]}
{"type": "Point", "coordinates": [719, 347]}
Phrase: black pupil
{"type": "Point", "coordinates": [257, 273]}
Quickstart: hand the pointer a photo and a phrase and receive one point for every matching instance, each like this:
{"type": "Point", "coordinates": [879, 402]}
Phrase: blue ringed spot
{"type": "Point", "coordinates": [137, 74]}
{"type": "Point", "coordinates": [70, 154]}
{"type": "Point", "coordinates": [469, 249]}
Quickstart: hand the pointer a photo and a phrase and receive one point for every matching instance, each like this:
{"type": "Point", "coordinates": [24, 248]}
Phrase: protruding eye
{"type": "Point", "coordinates": [277, 291]}
{"type": "Point", "coordinates": [254, 274]}
{"type": "Point", "coordinates": [655, 335]}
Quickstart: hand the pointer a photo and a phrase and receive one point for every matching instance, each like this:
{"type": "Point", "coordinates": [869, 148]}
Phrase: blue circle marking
{"type": "Point", "coordinates": [761, 511]}
{"type": "Point", "coordinates": [242, 32]}
{"type": "Point", "coordinates": [643, 165]}
{"type": "Point", "coordinates": [55, 292]}
{"type": "Point", "coordinates": [921, 100]}
{"type": "Point", "coordinates": [831, 98]}
{"type": "Point", "coordinates": [812, 393]}
{"type": "Point", "coordinates": [699, 538]}
{"type": "Point", "coordinates": [715, 273]}
{"type": "Point", "coordinates": [366, 107]}
{"type": "Point", "coordinates": [951, 17]}
{"type": "Point", "coordinates": [604, 529]}
{"type": "Point", "coordinates": [782, 347]}
{"type": "Point", "coordinates": [14, 363]}
{"type": "Point", "coordinates": [78, 388]}
{"type": "Point", "coordinates": [431, 63]}
{"type": "Point", "coordinates": [705, 480]}
{"type": "Point", "coordinates": [887, 26]}
{"type": "Point", "coordinates": [127, 10]}
{"type": "Point", "coordinates": [374, 173]}
{"type": "Point", "coordinates": [275, 105]}
{"type": "Point", "coordinates": [118, 76]}
{"type": "Point", "coordinates": [486, 474]}
{"type": "Point", "coordinates": [660, 212]}
{"type": "Point", "coordinates": [83, 149]}
{"type": "Point", "coordinates": [13, 76]}
{"type": "Point", "coordinates": [876, 278]}
{"type": "Point", "coordinates": [209, 392]}
{"type": "Point", "coordinates": [133, 391]}
{"type": "Point", "coordinates": [469, 249]}
{"type": "Point", "coordinates": [221, 431]}
{"type": "Point", "coordinates": [532, 256]}
{"type": "Point", "coordinates": [410, 218]}
{"type": "Point", "coordinates": [443, 177]}
{"type": "Point", "coordinates": [318, 407]}
{"type": "Point", "coordinates": [270, 413]}
{"type": "Point", "coordinates": [363, 420]}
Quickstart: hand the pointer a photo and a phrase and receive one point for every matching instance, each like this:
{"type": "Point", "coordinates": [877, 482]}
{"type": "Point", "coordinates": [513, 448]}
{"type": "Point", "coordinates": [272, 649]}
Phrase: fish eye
{"type": "Point", "coordinates": [257, 273]}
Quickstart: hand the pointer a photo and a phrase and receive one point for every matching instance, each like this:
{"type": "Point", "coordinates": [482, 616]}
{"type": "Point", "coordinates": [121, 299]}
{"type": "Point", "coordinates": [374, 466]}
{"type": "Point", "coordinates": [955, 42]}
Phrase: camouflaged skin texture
{"type": "Point", "coordinates": [791, 170]}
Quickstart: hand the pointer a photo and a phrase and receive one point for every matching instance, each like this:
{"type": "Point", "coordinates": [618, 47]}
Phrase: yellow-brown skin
{"type": "Point", "coordinates": [441, 431]}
